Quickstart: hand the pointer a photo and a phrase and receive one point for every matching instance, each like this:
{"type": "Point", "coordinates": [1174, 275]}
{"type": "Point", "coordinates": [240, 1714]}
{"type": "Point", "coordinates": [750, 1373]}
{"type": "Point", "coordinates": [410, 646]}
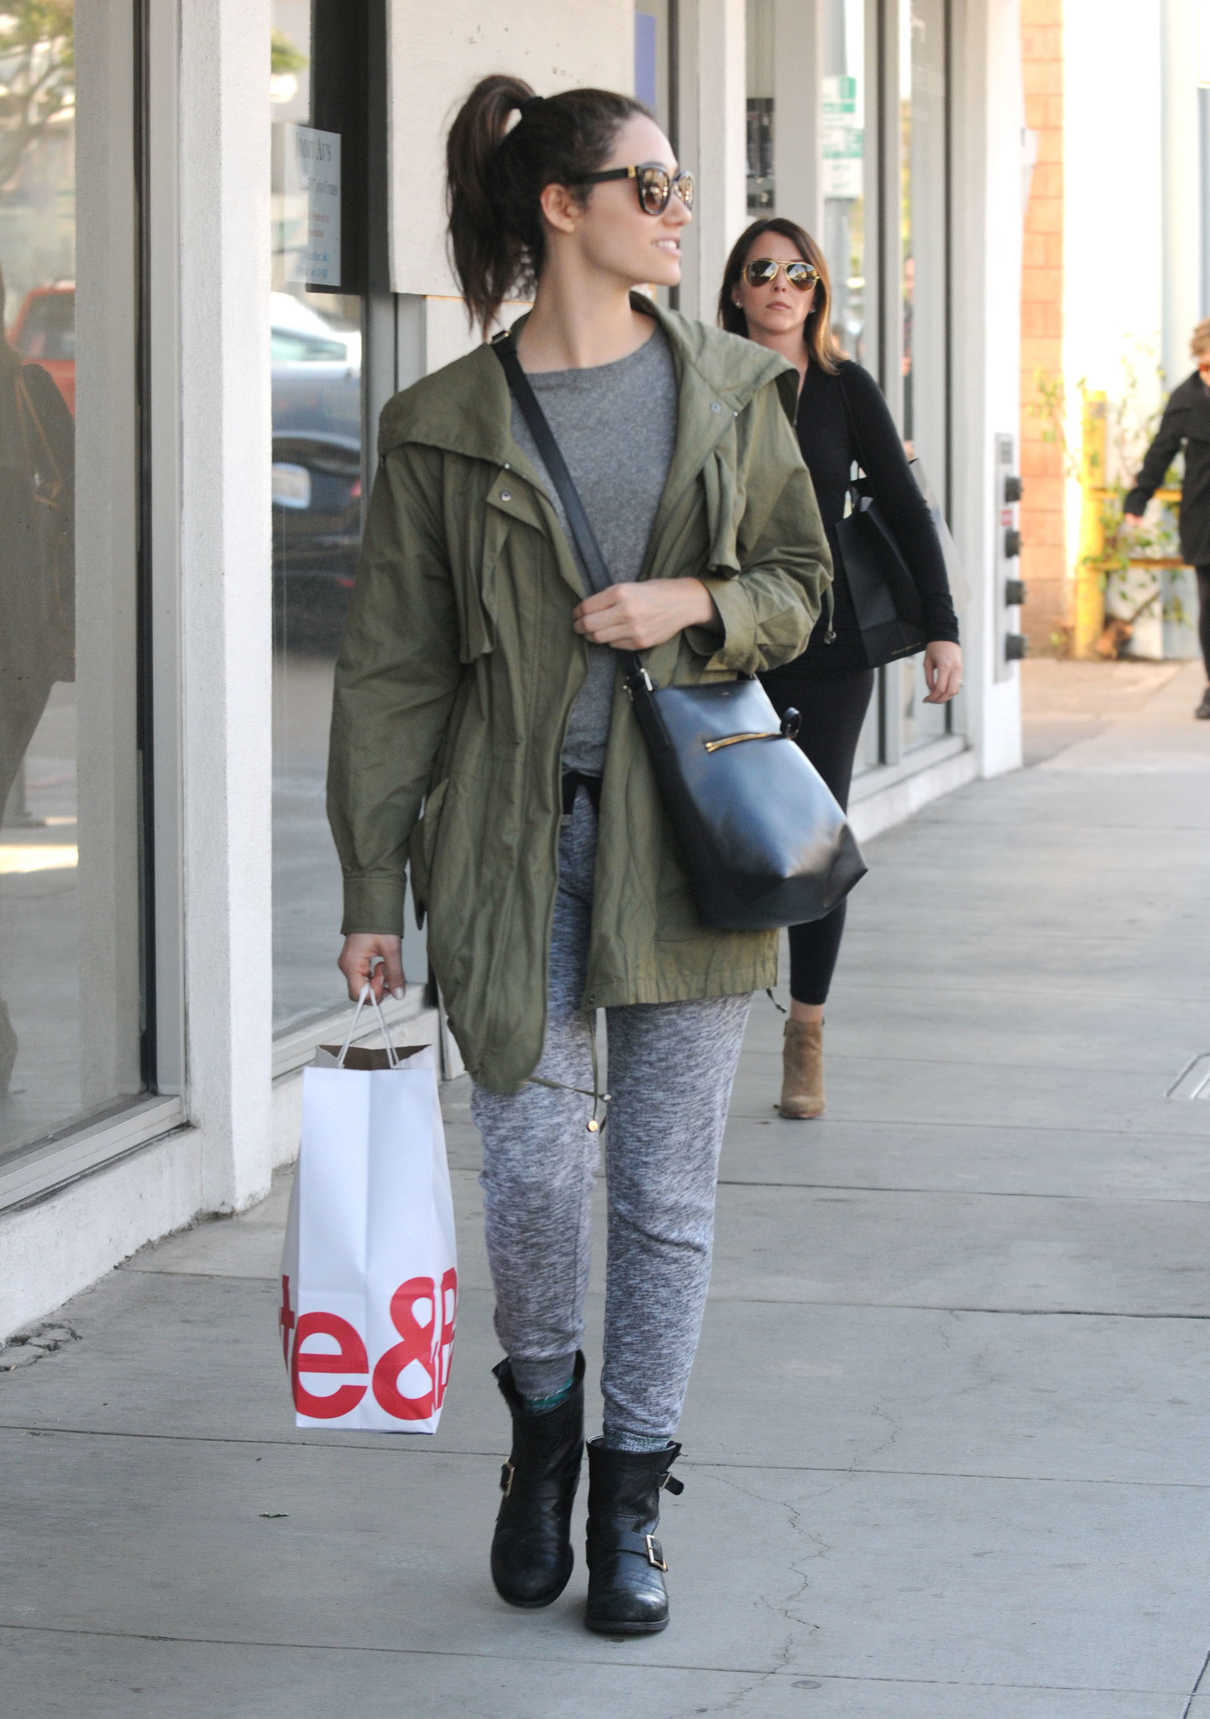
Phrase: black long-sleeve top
{"type": "Point", "coordinates": [1186, 422]}
{"type": "Point", "coordinates": [831, 439]}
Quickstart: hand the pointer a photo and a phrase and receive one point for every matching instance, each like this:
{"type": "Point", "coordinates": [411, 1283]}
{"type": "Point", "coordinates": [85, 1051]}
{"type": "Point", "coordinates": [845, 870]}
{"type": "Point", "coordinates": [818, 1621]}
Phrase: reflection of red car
{"type": "Point", "coordinates": [45, 333]}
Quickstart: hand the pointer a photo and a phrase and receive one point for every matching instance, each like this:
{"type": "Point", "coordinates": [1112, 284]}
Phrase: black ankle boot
{"type": "Point", "coordinates": [531, 1548]}
{"type": "Point", "coordinates": [626, 1592]}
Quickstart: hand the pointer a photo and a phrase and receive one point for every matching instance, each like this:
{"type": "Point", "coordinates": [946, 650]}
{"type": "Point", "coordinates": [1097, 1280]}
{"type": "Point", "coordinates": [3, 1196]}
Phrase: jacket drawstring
{"type": "Point", "coordinates": [600, 1100]}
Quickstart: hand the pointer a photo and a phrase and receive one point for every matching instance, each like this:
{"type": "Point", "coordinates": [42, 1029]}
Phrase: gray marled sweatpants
{"type": "Point", "coordinates": [671, 1067]}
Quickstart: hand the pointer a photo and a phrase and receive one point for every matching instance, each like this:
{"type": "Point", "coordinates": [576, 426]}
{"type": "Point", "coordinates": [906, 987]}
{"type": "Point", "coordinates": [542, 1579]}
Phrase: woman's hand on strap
{"type": "Point", "coordinates": [376, 957]}
{"type": "Point", "coordinates": [635, 616]}
{"type": "Point", "coordinates": [942, 670]}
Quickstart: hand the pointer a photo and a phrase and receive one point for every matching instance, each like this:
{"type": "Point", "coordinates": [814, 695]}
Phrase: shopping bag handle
{"type": "Point", "coordinates": [366, 995]}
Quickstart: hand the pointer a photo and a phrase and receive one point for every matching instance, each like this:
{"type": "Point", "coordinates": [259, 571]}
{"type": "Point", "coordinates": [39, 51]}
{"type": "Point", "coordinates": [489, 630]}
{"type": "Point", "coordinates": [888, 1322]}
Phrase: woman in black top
{"type": "Point", "coordinates": [776, 291]}
{"type": "Point", "coordinates": [1185, 424]}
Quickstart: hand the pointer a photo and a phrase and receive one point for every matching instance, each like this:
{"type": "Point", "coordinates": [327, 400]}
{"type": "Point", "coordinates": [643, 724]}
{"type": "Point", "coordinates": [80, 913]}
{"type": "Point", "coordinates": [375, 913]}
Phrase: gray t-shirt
{"type": "Point", "coordinates": [615, 425]}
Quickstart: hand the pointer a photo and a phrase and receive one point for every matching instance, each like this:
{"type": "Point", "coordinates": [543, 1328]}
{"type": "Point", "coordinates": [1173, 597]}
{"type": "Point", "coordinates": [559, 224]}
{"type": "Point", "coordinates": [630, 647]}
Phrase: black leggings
{"type": "Point", "coordinates": [1203, 615]}
{"type": "Point", "coordinates": [833, 708]}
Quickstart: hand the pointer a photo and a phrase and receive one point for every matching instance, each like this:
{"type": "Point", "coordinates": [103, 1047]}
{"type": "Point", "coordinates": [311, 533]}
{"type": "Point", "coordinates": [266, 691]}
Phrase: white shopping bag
{"type": "Point", "coordinates": [369, 1279]}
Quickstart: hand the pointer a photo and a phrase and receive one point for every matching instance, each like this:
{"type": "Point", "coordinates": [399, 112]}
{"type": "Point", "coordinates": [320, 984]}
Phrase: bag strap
{"type": "Point", "coordinates": [852, 484]}
{"type": "Point", "coordinates": [364, 996]}
{"type": "Point", "coordinates": [505, 349]}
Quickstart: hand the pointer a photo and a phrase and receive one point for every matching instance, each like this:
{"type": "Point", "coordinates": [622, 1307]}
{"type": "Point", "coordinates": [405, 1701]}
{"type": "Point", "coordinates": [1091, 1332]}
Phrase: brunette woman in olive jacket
{"type": "Point", "coordinates": [775, 290]}
{"type": "Point", "coordinates": [1186, 424]}
{"type": "Point", "coordinates": [480, 673]}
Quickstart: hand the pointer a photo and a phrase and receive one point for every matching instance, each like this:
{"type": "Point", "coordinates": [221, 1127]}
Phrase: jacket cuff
{"type": "Point", "coordinates": [735, 646]}
{"type": "Point", "coordinates": [373, 904]}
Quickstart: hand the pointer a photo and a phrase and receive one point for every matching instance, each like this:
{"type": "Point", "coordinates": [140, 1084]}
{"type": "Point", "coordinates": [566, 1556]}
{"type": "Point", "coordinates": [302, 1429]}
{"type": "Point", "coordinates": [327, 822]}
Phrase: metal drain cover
{"type": "Point", "coordinates": [1194, 1079]}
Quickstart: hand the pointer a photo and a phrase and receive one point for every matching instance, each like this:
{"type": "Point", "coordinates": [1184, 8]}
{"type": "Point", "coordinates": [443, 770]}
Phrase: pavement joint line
{"type": "Point", "coordinates": [961, 1307]}
{"type": "Point", "coordinates": [700, 1465]}
{"type": "Point", "coordinates": [773, 1054]}
{"type": "Point", "coordinates": [933, 1192]}
{"type": "Point", "coordinates": [1193, 1692]}
{"type": "Point", "coordinates": [960, 1193]}
{"type": "Point", "coordinates": [647, 1666]}
{"type": "Point", "coordinates": [793, 1301]}
{"type": "Point", "coordinates": [202, 1276]}
{"type": "Point", "coordinates": [891, 1122]}
{"type": "Point", "coordinates": [856, 986]}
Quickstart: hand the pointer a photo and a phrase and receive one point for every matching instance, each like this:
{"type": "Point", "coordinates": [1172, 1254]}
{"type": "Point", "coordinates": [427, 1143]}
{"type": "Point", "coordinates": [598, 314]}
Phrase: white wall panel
{"type": "Point", "coordinates": [436, 53]}
{"type": "Point", "coordinates": [225, 574]}
{"type": "Point", "coordinates": [989, 113]}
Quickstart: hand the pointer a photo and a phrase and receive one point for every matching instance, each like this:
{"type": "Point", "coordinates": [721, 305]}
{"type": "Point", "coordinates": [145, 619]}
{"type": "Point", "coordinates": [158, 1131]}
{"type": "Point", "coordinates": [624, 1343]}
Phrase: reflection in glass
{"type": "Point", "coordinates": [923, 271]}
{"type": "Point", "coordinates": [760, 36]}
{"type": "Point", "coordinates": [315, 344]}
{"type": "Point", "coordinates": [69, 947]}
{"type": "Point", "coordinates": [843, 136]}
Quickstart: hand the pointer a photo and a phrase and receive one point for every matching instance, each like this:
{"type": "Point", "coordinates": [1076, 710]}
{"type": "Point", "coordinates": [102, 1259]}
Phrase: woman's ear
{"type": "Point", "coordinates": [559, 208]}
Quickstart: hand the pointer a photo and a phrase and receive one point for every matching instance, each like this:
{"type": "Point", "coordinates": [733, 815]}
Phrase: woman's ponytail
{"type": "Point", "coordinates": [488, 253]}
{"type": "Point", "coordinates": [496, 172]}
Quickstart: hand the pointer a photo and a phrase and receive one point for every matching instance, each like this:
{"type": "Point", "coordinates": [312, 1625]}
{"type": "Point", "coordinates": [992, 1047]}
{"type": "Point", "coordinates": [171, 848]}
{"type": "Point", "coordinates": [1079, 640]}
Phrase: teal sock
{"type": "Point", "coordinates": [539, 1405]}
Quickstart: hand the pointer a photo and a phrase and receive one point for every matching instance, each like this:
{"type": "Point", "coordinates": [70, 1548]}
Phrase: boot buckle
{"type": "Point", "coordinates": [506, 1478]}
{"type": "Point", "coordinates": [655, 1553]}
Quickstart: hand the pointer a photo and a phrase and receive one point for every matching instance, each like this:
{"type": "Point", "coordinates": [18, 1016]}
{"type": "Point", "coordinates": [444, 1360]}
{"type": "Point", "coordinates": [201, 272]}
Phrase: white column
{"type": "Point", "coordinates": [987, 219]}
{"type": "Point", "coordinates": [1182, 188]}
{"type": "Point", "coordinates": [225, 610]}
{"type": "Point", "coordinates": [712, 140]}
{"type": "Point", "coordinates": [797, 72]}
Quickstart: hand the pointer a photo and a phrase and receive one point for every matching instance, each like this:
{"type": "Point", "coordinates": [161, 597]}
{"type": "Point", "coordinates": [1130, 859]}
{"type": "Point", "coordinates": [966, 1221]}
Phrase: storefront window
{"type": "Point", "coordinates": [316, 350]}
{"type": "Point", "coordinates": [654, 32]}
{"type": "Point", "coordinates": [923, 285]}
{"type": "Point", "coordinates": [761, 24]}
{"type": "Point", "coordinates": [71, 960]}
{"type": "Point", "coordinates": [843, 139]}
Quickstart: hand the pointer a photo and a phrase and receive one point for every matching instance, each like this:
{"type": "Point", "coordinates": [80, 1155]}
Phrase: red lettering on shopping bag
{"type": "Point", "coordinates": [427, 1338]}
{"type": "Point", "coordinates": [349, 1357]}
{"type": "Point", "coordinates": [449, 1312]}
{"type": "Point", "coordinates": [422, 1343]}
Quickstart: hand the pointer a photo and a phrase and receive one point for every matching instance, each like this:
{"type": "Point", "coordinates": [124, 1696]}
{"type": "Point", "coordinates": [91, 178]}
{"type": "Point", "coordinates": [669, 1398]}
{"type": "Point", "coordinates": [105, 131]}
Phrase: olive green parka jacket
{"type": "Point", "coordinates": [459, 667]}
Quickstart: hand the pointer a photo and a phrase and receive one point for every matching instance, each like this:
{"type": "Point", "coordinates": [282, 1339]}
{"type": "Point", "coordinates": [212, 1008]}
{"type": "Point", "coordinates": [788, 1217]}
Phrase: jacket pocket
{"type": "Point", "coordinates": [422, 847]}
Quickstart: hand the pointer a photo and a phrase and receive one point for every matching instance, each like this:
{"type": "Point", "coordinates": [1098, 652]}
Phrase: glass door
{"type": "Point", "coordinates": [71, 855]}
{"type": "Point", "coordinates": [921, 289]}
{"type": "Point", "coordinates": [316, 95]}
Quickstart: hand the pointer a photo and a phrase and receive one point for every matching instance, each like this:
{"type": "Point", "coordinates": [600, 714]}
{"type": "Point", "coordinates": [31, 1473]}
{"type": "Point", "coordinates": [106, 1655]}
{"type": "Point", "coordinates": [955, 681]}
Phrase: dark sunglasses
{"type": "Point", "coordinates": [653, 183]}
{"type": "Point", "coordinates": [763, 272]}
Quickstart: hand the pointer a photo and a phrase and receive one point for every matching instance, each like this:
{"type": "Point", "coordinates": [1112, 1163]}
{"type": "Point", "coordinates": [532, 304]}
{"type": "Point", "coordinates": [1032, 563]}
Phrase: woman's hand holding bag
{"type": "Point", "coordinates": [635, 617]}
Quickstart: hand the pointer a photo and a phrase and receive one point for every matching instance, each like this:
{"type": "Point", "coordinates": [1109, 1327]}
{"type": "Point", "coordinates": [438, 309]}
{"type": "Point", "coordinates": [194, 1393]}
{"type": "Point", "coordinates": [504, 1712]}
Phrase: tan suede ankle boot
{"type": "Point", "coordinates": [802, 1070]}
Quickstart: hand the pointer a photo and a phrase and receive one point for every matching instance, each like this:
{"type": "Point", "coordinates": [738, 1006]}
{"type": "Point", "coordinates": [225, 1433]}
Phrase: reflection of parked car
{"type": "Point", "coordinates": [316, 474]}
{"type": "Point", "coordinates": [45, 333]}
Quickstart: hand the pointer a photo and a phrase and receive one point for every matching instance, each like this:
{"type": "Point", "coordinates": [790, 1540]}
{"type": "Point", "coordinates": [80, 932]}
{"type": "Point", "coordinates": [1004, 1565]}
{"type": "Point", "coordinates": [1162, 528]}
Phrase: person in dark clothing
{"type": "Point", "coordinates": [776, 291]}
{"type": "Point", "coordinates": [37, 572]}
{"type": "Point", "coordinates": [1185, 424]}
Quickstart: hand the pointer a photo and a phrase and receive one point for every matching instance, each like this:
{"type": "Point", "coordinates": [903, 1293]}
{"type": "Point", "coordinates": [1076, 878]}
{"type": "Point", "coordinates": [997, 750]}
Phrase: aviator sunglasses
{"type": "Point", "coordinates": [763, 272]}
{"type": "Point", "coordinates": [653, 183]}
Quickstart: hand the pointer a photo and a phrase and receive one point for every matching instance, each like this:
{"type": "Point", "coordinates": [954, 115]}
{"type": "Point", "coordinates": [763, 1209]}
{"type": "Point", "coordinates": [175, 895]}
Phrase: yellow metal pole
{"type": "Point", "coordinates": [1090, 595]}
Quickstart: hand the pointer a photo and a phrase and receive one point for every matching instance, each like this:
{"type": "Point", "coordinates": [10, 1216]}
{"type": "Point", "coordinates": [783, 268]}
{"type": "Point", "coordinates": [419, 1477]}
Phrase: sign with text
{"type": "Point", "coordinates": [313, 205]}
{"type": "Point", "coordinates": [843, 137]}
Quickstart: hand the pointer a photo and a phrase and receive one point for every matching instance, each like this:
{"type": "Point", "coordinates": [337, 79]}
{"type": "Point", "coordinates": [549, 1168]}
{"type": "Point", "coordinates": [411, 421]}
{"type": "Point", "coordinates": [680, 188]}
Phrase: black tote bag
{"type": "Point", "coordinates": [762, 838]}
{"type": "Point", "coordinates": [886, 600]}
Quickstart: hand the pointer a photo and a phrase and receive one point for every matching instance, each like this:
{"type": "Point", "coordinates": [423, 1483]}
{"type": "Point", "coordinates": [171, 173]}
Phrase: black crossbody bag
{"type": "Point", "coordinates": [886, 601]}
{"type": "Point", "coordinates": [760, 834]}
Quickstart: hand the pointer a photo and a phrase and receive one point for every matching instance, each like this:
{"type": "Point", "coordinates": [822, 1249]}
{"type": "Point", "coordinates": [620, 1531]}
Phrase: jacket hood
{"type": "Point", "coordinates": [465, 406]}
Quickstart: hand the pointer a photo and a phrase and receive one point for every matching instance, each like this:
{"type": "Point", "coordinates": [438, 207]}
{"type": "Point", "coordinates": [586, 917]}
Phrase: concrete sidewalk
{"type": "Point", "coordinates": [946, 1450]}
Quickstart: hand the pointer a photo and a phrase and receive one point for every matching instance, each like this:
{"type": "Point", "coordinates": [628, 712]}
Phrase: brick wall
{"type": "Point", "coordinates": [1043, 559]}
